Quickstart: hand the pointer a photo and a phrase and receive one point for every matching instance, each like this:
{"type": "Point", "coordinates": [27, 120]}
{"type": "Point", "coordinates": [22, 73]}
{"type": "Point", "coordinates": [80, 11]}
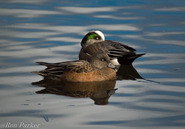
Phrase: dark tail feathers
{"type": "Point", "coordinates": [125, 60]}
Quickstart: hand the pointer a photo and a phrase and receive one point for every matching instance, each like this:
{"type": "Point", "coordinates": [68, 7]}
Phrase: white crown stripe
{"type": "Point", "coordinates": [100, 34]}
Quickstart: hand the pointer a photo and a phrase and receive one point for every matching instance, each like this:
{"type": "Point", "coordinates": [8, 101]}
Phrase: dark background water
{"type": "Point", "coordinates": [51, 31]}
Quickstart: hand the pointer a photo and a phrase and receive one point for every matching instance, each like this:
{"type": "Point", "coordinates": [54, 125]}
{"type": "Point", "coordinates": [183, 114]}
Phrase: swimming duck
{"type": "Point", "coordinates": [96, 68]}
{"type": "Point", "coordinates": [119, 53]}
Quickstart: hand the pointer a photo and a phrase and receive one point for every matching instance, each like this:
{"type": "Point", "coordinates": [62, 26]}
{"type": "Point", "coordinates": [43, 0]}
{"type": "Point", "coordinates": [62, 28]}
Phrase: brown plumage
{"type": "Point", "coordinates": [96, 68]}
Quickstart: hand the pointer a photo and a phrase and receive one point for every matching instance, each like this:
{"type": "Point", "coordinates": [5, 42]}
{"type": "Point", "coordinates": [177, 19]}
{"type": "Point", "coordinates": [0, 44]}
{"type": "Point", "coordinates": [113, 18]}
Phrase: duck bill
{"type": "Point", "coordinates": [110, 65]}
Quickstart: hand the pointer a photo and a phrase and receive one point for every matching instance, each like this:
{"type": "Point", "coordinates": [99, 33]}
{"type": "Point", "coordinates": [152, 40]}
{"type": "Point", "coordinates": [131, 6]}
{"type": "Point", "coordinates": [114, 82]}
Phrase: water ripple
{"type": "Point", "coordinates": [51, 31]}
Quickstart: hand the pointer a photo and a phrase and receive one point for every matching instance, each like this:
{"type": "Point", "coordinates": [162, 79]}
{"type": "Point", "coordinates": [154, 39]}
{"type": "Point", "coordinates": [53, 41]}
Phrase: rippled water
{"type": "Point", "coordinates": [151, 94]}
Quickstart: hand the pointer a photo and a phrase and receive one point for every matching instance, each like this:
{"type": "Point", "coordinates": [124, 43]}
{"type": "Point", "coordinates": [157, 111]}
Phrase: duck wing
{"type": "Point", "coordinates": [57, 69]}
{"type": "Point", "coordinates": [124, 53]}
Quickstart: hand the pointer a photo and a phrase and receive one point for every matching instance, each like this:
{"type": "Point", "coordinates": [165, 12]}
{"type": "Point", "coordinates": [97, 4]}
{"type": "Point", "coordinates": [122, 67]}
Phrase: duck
{"type": "Point", "coordinates": [119, 53]}
{"type": "Point", "coordinates": [94, 69]}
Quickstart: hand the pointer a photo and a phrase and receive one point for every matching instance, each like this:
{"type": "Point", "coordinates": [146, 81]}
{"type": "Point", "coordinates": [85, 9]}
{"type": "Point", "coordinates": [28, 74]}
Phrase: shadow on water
{"type": "Point", "coordinates": [99, 92]}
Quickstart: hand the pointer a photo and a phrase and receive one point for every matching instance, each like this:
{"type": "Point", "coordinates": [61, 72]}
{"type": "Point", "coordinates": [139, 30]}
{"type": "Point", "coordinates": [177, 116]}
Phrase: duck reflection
{"type": "Point", "coordinates": [99, 92]}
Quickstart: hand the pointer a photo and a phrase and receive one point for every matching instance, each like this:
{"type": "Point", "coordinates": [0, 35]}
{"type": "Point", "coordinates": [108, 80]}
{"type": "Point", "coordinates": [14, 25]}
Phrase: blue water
{"type": "Point", "coordinates": [51, 31]}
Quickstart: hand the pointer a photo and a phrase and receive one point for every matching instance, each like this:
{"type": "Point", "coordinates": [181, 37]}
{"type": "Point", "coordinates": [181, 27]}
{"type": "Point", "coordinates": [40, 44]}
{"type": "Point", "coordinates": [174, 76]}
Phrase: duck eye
{"type": "Point", "coordinates": [103, 59]}
{"type": "Point", "coordinates": [97, 37]}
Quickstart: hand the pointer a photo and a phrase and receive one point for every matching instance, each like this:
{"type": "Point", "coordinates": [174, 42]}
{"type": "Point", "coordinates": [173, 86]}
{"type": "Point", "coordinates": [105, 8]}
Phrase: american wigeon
{"type": "Point", "coordinates": [96, 68]}
{"type": "Point", "coordinates": [119, 53]}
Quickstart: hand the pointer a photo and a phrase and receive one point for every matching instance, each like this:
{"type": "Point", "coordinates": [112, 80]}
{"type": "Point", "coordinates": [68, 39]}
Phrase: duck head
{"type": "Point", "coordinates": [101, 60]}
{"type": "Point", "coordinates": [92, 37]}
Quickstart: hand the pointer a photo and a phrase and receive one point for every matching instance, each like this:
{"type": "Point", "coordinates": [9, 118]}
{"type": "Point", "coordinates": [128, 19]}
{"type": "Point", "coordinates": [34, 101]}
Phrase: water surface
{"type": "Point", "coordinates": [51, 31]}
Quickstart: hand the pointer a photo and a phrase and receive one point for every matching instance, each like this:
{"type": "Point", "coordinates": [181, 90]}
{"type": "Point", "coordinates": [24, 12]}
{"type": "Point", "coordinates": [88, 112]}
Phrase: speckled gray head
{"type": "Point", "coordinates": [92, 37]}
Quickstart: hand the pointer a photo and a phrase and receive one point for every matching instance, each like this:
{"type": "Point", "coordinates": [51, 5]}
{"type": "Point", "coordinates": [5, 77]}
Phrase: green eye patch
{"type": "Point", "coordinates": [92, 36]}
